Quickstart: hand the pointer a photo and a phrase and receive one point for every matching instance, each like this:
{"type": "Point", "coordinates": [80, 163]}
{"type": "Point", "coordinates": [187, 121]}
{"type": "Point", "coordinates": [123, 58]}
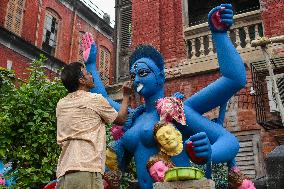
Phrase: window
{"type": "Point", "coordinates": [14, 16]}
{"type": "Point", "coordinates": [104, 65]}
{"type": "Point", "coordinates": [50, 32]}
{"type": "Point", "coordinates": [198, 9]}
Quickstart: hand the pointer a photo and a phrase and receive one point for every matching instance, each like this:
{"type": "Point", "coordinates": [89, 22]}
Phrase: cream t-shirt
{"type": "Point", "coordinates": [81, 119]}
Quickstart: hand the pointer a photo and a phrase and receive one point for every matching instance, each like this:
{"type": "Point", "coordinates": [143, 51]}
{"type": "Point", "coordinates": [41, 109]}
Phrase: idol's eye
{"type": "Point", "coordinates": [143, 73]}
{"type": "Point", "coordinates": [132, 76]}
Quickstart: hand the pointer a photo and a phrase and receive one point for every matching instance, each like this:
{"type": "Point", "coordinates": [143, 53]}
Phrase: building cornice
{"type": "Point", "coordinates": [89, 16]}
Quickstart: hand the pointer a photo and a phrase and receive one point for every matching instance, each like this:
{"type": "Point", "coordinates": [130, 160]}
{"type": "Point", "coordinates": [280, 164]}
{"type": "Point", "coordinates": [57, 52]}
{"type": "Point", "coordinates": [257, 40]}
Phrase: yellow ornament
{"type": "Point", "coordinates": [111, 160]}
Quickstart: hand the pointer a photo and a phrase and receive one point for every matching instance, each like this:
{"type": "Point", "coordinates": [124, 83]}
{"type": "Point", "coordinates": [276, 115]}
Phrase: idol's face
{"type": "Point", "coordinates": [157, 171]}
{"type": "Point", "coordinates": [145, 76]}
{"type": "Point", "coordinates": [169, 138]}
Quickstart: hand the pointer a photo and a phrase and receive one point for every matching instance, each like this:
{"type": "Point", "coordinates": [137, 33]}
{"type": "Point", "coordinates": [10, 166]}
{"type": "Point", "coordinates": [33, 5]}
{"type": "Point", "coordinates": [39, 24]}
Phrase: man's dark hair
{"type": "Point", "coordinates": [70, 76]}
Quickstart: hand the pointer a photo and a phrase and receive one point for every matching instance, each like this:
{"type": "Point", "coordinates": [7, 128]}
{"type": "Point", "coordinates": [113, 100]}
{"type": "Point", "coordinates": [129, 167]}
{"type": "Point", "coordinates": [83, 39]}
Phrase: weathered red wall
{"type": "Point", "coordinates": [159, 23]}
{"type": "Point", "coordinates": [20, 63]}
{"type": "Point", "coordinates": [273, 17]}
{"type": "Point", "coordinates": [67, 36]}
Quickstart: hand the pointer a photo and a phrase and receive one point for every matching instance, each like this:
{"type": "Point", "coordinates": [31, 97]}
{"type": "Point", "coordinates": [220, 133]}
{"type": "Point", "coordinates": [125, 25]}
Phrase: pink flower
{"type": "Point", "coordinates": [247, 184]}
{"type": "Point", "coordinates": [2, 181]}
{"type": "Point", "coordinates": [116, 132]}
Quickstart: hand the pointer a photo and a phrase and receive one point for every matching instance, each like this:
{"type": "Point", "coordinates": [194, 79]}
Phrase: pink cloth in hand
{"type": "Point", "coordinates": [170, 108]}
{"type": "Point", "coordinates": [116, 132]}
{"type": "Point", "coordinates": [87, 41]}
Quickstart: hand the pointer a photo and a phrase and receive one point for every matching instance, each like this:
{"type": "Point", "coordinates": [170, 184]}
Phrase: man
{"type": "Point", "coordinates": [81, 119]}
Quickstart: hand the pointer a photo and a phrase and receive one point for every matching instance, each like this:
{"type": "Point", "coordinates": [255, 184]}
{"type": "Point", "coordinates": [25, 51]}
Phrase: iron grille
{"type": "Point", "coordinates": [264, 116]}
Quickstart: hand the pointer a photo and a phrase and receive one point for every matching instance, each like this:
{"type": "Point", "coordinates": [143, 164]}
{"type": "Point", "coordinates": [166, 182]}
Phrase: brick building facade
{"type": "Point", "coordinates": [179, 30]}
{"type": "Point", "coordinates": [53, 28]}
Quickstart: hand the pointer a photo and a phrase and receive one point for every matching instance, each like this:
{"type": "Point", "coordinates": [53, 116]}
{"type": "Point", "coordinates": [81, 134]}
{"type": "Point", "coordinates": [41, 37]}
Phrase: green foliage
{"type": "Point", "coordinates": [219, 174]}
{"type": "Point", "coordinates": [28, 125]}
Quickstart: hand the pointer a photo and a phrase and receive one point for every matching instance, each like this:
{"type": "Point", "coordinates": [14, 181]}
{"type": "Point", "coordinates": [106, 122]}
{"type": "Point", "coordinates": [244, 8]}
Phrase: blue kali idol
{"type": "Point", "coordinates": [212, 143]}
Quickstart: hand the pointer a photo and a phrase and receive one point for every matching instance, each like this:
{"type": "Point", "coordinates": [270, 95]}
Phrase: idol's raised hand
{"type": "Point", "coordinates": [89, 55]}
{"type": "Point", "coordinates": [89, 48]}
{"type": "Point", "coordinates": [220, 18]}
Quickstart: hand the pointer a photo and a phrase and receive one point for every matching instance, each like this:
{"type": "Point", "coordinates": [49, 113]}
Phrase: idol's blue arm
{"type": "Point", "coordinates": [224, 145]}
{"type": "Point", "coordinates": [99, 86]}
{"type": "Point", "coordinates": [232, 69]}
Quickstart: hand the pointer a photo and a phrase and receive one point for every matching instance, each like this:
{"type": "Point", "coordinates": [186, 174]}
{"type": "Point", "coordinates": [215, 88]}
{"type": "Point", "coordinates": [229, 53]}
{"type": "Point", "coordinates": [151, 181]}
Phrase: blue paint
{"type": "Point", "coordinates": [147, 69]}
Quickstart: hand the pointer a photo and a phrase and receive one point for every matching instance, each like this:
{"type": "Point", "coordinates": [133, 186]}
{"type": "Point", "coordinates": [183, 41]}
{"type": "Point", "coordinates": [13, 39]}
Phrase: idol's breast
{"type": "Point", "coordinates": [144, 125]}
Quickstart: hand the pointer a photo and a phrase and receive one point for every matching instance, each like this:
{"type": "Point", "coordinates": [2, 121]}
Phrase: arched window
{"type": "Point", "coordinates": [50, 31]}
{"type": "Point", "coordinates": [14, 16]}
{"type": "Point", "coordinates": [104, 64]}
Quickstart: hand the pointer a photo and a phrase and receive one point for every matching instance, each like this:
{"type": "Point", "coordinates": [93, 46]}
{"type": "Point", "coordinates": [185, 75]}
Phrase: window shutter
{"type": "Point", "coordinates": [18, 16]}
{"type": "Point", "coordinates": [280, 85]}
{"type": "Point", "coordinates": [123, 2]}
{"type": "Point", "coordinates": [104, 65]}
{"type": "Point", "coordinates": [80, 50]}
{"type": "Point", "coordinates": [14, 16]}
{"type": "Point", "coordinates": [126, 27]}
{"type": "Point", "coordinates": [10, 14]}
{"type": "Point", "coordinates": [271, 96]}
{"type": "Point", "coordinates": [248, 159]}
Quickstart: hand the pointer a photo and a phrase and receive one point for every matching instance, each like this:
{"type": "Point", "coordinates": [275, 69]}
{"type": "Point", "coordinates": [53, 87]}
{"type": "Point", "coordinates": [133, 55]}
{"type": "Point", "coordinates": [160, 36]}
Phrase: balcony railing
{"type": "Point", "coordinates": [200, 49]}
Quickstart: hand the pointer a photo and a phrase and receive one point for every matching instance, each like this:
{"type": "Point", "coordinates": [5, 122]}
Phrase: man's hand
{"type": "Point", "coordinates": [89, 48]}
{"type": "Point", "coordinates": [220, 18]}
{"type": "Point", "coordinates": [198, 148]}
{"type": "Point", "coordinates": [127, 88]}
{"type": "Point", "coordinates": [122, 114]}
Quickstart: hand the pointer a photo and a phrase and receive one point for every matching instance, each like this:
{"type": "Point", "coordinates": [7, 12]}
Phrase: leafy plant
{"type": "Point", "coordinates": [28, 125]}
{"type": "Point", "coordinates": [219, 174]}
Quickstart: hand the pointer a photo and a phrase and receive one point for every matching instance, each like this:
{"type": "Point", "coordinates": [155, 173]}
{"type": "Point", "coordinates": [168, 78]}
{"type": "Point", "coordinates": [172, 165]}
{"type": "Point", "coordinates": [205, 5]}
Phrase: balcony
{"type": "Point", "coordinates": [201, 54]}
